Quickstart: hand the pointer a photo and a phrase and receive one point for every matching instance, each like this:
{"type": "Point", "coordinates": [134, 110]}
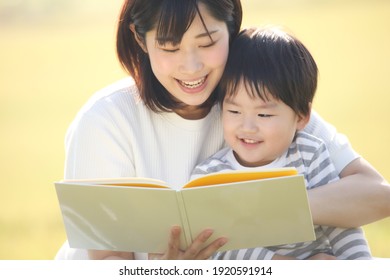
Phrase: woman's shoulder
{"type": "Point", "coordinates": [119, 93]}
{"type": "Point", "coordinates": [116, 104]}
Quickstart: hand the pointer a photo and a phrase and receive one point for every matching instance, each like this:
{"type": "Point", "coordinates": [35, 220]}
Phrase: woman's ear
{"type": "Point", "coordinates": [303, 120]}
{"type": "Point", "coordinates": [139, 40]}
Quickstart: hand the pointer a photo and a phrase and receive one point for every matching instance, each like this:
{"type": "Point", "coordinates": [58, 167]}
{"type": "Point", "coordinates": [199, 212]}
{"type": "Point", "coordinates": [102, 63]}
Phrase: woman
{"type": "Point", "coordinates": [162, 122]}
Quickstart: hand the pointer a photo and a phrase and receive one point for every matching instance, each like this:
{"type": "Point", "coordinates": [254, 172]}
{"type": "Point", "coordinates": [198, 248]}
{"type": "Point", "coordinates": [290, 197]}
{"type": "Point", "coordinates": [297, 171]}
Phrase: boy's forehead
{"type": "Point", "coordinates": [252, 89]}
{"type": "Point", "coordinates": [255, 101]}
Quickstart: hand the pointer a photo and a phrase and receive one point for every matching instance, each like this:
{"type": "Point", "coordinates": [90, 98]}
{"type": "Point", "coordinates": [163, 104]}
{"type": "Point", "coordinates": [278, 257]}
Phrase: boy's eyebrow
{"type": "Point", "coordinates": [267, 105]}
{"type": "Point", "coordinates": [263, 105]}
{"type": "Point", "coordinates": [230, 101]}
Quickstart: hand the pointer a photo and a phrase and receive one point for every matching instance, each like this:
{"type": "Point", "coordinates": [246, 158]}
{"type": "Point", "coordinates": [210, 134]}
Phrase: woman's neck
{"type": "Point", "coordinates": [192, 112]}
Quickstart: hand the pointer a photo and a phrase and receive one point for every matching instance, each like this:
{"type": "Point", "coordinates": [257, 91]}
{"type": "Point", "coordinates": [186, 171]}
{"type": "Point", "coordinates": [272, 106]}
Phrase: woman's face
{"type": "Point", "coordinates": [191, 70]}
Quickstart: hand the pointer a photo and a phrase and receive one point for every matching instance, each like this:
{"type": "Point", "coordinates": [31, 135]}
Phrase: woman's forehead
{"type": "Point", "coordinates": [171, 25]}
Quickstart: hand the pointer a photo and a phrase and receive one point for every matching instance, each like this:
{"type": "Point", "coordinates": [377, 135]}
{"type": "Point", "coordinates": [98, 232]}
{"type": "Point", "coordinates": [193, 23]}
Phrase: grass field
{"type": "Point", "coordinates": [52, 59]}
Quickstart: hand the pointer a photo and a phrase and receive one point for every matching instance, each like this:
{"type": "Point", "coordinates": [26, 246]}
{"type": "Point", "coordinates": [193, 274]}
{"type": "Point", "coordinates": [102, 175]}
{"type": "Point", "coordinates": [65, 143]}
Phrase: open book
{"type": "Point", "coordinates": [251, 209]}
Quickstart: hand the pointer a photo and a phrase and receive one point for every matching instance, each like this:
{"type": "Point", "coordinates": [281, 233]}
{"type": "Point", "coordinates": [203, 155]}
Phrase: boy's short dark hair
{"type": "Point", "coordinates": [271, 62]}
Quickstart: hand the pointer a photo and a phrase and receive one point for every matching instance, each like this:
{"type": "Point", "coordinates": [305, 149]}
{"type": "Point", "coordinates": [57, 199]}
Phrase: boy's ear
{"type": "Point", "coordinates": [304, 119]}
{"type": "Point", "coordinates": [139, 40]}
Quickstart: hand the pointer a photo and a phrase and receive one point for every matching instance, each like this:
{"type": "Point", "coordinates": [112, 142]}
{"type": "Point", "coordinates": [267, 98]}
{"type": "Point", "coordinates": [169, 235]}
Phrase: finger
{"type": "Point", "coordinates": [197, 245]}
{"type": "Point", "coordinates": [214, 246]}
{"type": "Point", "coordinates": [174, 244]}
{"type": "Point", "coordinates": [155, 256]}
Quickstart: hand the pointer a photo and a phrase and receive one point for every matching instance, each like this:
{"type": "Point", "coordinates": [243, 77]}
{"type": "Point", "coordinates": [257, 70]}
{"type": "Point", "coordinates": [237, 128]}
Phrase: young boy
{"type": "Point", "coordinates": [266, 93]}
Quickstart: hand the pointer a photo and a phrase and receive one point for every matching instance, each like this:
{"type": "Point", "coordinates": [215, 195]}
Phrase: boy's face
{"type": "Point", "coordinates": [258, 131]}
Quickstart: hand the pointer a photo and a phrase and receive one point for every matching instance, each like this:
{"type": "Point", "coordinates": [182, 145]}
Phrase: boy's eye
{"type": "Point", "coordinates": [233, 111]}
{"type": "Point", "coordinates": [264, 115]}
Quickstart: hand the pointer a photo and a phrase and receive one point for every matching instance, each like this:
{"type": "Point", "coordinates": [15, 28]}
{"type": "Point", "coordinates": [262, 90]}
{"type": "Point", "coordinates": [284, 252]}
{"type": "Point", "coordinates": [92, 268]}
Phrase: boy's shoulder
{"type": "Point", "coordinates": [216, 163]}
{"type": "Point", "coordinates": [307, 146]}
{"type": "Point", "coordinates": [305, 139]}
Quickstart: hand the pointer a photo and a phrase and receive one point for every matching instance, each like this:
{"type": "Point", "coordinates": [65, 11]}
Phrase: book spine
{"type": "Point", "coordinates": [186, 232]}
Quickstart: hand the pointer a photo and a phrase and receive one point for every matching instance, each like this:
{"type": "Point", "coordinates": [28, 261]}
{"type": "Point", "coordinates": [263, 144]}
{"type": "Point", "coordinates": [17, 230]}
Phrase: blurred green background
{"type": "Point", "coordinates": [55, 53]}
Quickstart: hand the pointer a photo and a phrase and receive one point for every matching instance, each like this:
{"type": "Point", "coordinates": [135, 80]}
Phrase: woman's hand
{"type": "Point", "coordinates": [196, 251]}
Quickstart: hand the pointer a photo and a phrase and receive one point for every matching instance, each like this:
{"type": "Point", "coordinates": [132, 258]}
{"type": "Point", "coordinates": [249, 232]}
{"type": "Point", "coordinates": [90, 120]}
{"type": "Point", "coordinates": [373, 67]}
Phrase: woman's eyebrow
{"type": "Point", "coordinates": [206, 34]}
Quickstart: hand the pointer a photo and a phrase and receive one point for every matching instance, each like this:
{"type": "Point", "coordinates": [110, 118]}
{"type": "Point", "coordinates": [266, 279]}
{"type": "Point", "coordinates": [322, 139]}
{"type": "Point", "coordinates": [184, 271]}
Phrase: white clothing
{"type": "Point", "coordinates": [116, 135]}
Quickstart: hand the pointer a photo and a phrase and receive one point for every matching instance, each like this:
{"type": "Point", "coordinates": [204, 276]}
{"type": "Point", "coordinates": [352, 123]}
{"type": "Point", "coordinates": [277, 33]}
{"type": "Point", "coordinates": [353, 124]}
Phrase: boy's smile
{"type": "Point", "coordinates": [258, 131]}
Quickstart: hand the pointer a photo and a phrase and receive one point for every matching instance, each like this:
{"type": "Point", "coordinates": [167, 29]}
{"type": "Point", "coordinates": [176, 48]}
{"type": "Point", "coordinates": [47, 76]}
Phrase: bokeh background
{"type": "Point", "coordinates": [55, 53]}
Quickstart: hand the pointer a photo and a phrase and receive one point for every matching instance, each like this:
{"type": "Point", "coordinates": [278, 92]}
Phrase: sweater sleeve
{"type": "Point", "coordinates": [341, 151]}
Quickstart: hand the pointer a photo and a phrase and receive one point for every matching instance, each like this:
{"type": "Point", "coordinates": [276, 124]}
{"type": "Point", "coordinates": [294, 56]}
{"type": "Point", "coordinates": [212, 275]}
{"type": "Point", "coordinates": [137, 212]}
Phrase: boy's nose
{"type": "Point", "coordinates": [249, 125]}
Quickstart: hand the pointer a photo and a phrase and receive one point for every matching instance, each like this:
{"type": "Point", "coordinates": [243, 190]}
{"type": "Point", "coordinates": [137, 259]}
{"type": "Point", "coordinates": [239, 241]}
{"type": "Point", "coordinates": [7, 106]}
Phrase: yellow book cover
{"type": "Point", "coordinates": [250, 208]}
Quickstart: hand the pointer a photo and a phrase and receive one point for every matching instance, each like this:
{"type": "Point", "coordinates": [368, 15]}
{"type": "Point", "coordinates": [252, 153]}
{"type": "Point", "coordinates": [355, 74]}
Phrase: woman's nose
{"type": "Point", "coordinates": [190, 63]}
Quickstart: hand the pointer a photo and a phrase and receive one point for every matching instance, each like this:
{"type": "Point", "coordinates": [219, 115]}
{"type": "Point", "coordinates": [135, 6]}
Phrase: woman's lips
{"type": "Point", "coordinates": [193, 86]}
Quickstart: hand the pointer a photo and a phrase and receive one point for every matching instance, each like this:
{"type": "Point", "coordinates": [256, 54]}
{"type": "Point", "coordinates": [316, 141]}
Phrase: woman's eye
{"type": "Point", "coordinates": [168, 47]}
{"type": "Point", "coordinates": [170, 50]}
{"type": "Point", "coordinates": [209, 45]}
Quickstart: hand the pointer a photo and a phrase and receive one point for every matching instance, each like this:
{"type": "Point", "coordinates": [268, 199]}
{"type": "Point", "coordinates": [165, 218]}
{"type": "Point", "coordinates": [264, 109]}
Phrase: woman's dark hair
{"type": "Point", "coordinates": [171, 18]}
{"type": "Point", "coordinates": [272, 62]}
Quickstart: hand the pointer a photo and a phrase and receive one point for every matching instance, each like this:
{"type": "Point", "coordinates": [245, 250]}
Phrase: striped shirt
{"type": "Point", "coordinates": [310, 157]}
